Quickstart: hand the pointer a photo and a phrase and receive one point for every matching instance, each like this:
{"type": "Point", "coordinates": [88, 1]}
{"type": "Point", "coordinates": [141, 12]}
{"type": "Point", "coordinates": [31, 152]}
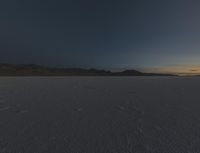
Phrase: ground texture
{"type": "Point", "coordinates": [99, 115]}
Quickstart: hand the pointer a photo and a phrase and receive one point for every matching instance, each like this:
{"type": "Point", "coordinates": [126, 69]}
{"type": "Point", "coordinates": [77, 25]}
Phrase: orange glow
{"type": "Point", "coordinates": [178, 70]}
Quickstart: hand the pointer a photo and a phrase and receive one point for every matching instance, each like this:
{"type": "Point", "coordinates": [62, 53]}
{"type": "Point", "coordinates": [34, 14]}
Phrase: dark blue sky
{"type": "Point", "coordinates": [103, 34]}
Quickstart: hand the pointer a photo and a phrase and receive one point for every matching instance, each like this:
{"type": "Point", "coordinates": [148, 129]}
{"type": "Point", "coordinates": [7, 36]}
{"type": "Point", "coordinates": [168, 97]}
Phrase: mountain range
{"type": "Point", "coordinates": [38, 70]}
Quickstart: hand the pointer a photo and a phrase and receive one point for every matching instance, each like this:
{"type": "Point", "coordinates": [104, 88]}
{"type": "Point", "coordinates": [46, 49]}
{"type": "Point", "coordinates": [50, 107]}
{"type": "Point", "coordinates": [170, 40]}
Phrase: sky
{"type": "Point", "coordinates": [149, 35]}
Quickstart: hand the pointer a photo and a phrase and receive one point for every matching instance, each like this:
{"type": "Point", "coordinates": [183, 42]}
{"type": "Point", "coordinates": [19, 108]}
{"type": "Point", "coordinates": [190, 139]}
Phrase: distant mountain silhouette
{"type": "Point", "coordinates": [38, 70]}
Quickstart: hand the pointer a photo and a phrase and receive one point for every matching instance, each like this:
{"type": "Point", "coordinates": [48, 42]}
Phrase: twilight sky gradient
{"type": "Point", "coordinates": [161, 35]}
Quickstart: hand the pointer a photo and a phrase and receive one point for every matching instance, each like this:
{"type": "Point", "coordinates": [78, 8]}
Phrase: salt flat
{"type": "Point", "coordinates": [99, 115]}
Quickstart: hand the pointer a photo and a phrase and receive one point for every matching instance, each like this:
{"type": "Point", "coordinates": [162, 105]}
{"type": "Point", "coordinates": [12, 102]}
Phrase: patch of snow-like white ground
{"type": "Point", "coordinates": [99, 115]}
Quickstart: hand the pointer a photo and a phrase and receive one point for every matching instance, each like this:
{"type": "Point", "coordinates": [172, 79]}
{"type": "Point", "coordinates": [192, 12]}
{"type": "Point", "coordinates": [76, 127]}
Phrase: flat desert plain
{"type": "Point", "coordinates": [99, 115]}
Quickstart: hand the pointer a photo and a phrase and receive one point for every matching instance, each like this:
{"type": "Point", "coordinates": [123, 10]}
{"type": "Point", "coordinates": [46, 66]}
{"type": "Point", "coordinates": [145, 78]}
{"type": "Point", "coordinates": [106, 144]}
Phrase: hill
{"type": "Point", "coordinates": [38, 70]}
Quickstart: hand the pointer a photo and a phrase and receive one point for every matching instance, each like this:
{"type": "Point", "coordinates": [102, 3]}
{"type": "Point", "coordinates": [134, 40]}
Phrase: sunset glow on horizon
{"type": "Point", "coordinates": [183, 70]}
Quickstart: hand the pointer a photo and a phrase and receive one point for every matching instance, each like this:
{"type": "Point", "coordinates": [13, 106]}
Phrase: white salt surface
{"type": "Point", "coordinates": [99, 115]}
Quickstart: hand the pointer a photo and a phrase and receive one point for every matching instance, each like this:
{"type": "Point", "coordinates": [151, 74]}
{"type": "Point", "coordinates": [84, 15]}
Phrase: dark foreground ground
{"type": "Point", "coordinates": [99, 115]}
